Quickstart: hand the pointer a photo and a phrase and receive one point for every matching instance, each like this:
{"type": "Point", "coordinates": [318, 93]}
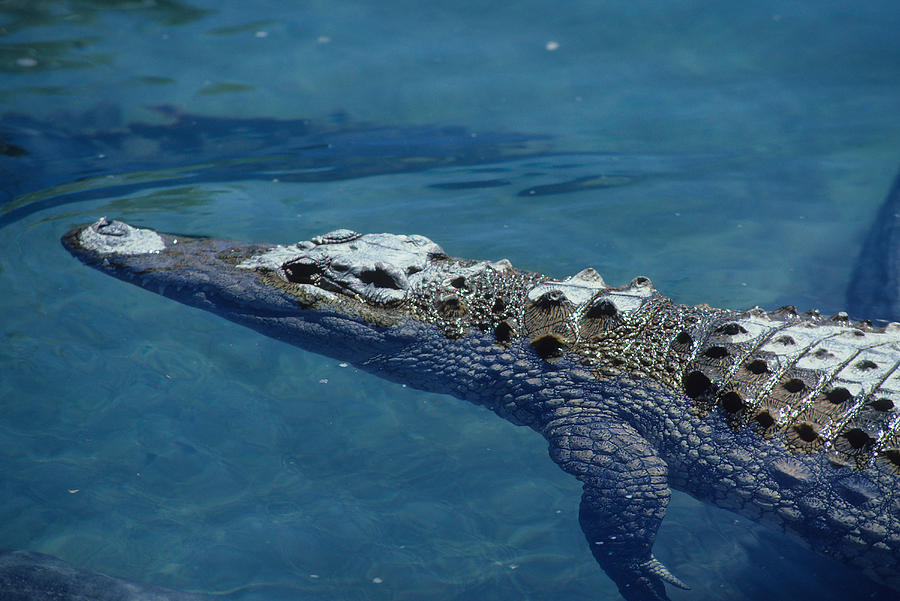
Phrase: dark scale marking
{"type": "Point", "coordinates": [641, 281]}
{"type": "Point", "coordinates": [823, 354]}
{"type": "Point", "coordinates": [794, 385]}
{"type": "Point", "coordinates": [882, 404]}
{"type": "Point", "coordinates": [757, 367]}
{"type": "Point", "coordinates": [732, 402]}
{"type": "Point", "coordinates": [764, 419]}
{"type": "Point", "coordinates": [601, 309]}
{"type": "Point", "coordinates": [838, 395]}
{"type": "Point", "coordinates": [803, 438]}
{"type": "Point", "coordinates": [549, 314]}
{"type": "Point", "coordinates": [857, 490]}
{"type": "Point", "coordinates": [731, 329]}
{"type": "Point", "coordinates": [790, 473]}
{"type": "Point", "coordinates": [716, 352]}
{"type": "Point", "coordinates": [451, 307]}
{"type": "Point", "coordinates": [893, 456]}
{"type": "Point", "coordinates": [548, 347]}
{"type": "Point", "coordinates": [806, 432]}
{"type": "Point", "coordinates": [600, 320]}
{"type": "Point", "coordinates": [459, 283]}
{"type": "Point", "coordinates": [858, 439]}
{"type": "Point", "coordinates": [504, 332]}
{"type": "Point", "coordinates": [697, 386]}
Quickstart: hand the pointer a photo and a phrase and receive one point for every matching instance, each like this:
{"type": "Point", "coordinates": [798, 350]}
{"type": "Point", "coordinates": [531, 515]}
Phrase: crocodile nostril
{"type": "Point", "coordinates": [115, 228]}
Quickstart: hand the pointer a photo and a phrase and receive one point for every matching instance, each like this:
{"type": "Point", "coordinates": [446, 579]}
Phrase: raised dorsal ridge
{"type": "Point", "coordinates": [588, 276]}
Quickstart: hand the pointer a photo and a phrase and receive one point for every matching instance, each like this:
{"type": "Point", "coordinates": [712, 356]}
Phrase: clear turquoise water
{"type": "Point", "coordinates": [738, 155]}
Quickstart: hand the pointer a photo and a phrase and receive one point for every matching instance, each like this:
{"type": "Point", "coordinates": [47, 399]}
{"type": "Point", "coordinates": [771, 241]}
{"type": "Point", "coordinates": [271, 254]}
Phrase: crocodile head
{"type": "Point", "coordinates": [341, 294]}
{"type": "Point", "coordinates": [347, 295]}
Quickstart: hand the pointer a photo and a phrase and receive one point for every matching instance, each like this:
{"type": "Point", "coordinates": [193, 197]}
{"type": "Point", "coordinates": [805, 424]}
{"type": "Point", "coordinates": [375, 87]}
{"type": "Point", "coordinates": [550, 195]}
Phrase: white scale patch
{"type": "Point", "coordinates": [858, 363]}
{"type": "Point", "coordinates": [117, 238]}
{"type": "Point", "coordinates": [802, 336]}
{"type": "Point", "coordinates": [756, 327]}
{"type": "Point", "coordinates": [404, 257]}
{"type": "Point", "coordinates": [272, 259]}
{"type": "Point", "coordinates": [584, 286]}
{"type": "Point", "coordinates": [579, 288]}
{"type": "Point", "coordinates": [625, 302]}
{"type": "Point", "coordinates": [403, 252]}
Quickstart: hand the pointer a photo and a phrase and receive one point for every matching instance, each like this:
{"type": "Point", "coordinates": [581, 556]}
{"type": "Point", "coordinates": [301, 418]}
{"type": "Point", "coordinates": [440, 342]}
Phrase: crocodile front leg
{"type": "Point", "coordinates": [624, 500]}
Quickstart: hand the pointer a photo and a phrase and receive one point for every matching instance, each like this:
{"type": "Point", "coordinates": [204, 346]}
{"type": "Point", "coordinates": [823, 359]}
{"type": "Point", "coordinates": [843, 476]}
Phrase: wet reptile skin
{"type": "Point", "coordinates": [792, 420]}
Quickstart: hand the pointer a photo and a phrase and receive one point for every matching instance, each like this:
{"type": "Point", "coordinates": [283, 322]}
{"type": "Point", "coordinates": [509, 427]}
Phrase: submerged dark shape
{"type": "Point", "coordinates": [580, 184]}
{"type": "Point", "coordinates": [875, 289]}
{"type": "Point", "coordinates": [472, 184]}
{"type": "Point", "coordinates": [188, 148]}
{"type": "Point", "coordinates": [786, 419]}
{"type": "Point", "coordinates": [30, 576]}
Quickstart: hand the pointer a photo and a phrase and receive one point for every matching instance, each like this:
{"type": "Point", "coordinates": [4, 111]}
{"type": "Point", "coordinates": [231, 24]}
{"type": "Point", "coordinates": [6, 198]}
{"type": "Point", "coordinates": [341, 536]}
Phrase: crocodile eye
{"type": "Point", "coordinates": [301, 271]}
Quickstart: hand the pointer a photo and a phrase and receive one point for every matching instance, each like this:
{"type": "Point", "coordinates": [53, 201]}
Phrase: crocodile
{"type": "Point", "coordinates": [789, 419]}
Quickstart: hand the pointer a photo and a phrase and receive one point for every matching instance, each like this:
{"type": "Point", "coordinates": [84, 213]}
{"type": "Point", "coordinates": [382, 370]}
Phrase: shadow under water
{"type": "Point", "coordinates": [94, 154]}
{"type": "Point", "coordinates": [30, 576]}
{"type": "Point", "coordinates": [874, 292]}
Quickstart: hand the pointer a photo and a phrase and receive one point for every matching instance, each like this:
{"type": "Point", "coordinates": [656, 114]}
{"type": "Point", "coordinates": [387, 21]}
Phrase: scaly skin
{"type": "Point", "coordinates": [786, 419]}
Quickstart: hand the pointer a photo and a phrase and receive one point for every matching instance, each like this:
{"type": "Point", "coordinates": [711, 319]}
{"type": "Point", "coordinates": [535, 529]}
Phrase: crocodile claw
{"type": "Point", "coordinates": [645, 581]}
{"type": "Point", "coordinates": [655, 568]}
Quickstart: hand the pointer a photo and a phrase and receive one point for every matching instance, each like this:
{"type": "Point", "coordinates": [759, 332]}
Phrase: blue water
{"type": "Point", "coordinates": [736, 153]}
